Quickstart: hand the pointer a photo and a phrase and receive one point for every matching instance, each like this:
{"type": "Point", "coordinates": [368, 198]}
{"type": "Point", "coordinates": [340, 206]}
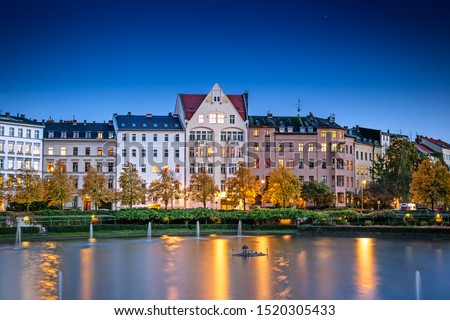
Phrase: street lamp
{"type": "Point", "coordinates": [262, 192]}
{"type": "Point", "coordinates": [363, 183]}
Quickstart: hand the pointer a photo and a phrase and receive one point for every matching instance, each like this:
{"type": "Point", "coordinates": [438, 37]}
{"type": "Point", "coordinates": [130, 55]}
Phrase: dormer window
{"type": "Point", "coordinates": [51, 134]}
{"type": "Point", "coordinates": [290, 129]}
{"type": "Point", "coordinates": [281, 129]}
{"type": "Point", "coordinates": [63, 134]}
{"type": "Point", "coordinates": [76, 134]}
{"type": "Point", "coordinates": [88, 134]}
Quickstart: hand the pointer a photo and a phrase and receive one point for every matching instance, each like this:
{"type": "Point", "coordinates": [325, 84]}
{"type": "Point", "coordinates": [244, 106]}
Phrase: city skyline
{"type": "Point", "coordinates": [379, 65]}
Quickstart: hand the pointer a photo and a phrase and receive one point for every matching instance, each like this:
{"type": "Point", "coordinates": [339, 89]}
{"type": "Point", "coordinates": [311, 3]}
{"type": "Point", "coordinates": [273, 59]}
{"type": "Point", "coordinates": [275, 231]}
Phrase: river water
{"type": "Point", "coordinates": [296, 267]}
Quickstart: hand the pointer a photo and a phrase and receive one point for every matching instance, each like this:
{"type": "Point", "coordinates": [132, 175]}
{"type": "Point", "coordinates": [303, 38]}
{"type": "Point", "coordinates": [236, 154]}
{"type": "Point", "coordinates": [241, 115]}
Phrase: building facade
{"type": "Point", "coordinates": [315, 149]}
{"type": "Point", "coordinates": [368, 149]}
{"type": "Point", "coordinates": [437, 146]}
{"type": "Point", "coordinates": [20, 148]}
{"type": "Point", "coordinates": [216, 135]}
{"type": "Point", "coordinates": [80, 147]}
{"type": "Point", "coordinates": [151, 143]}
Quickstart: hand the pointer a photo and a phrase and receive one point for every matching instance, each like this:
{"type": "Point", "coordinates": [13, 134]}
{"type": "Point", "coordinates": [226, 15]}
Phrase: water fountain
{"type": "Point", "coordinates": [418, 285]}
{"type": "Point", "coordinates": [149, 231]}
{"type": "Point", "coordinates": [198, 230]}
{"type": "Point", "coordinates": [18, 238]}
{"type": "Point", "coordinates": [239, 230]}
{"type": "Point", "coordinates": [91, 231]}
{"type": "Point", "coordinates": [60, 285]}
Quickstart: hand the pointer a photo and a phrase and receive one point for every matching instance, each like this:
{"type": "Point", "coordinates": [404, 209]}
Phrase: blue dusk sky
{"type": "Point", "coordinates": [379, 64]}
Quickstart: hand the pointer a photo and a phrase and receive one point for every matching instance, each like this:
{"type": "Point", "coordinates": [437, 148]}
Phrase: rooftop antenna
{"type": "Point", "coordinates": [298, 107]}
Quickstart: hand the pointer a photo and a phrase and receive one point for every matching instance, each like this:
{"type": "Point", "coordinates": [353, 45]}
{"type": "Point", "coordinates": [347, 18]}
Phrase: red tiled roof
{"type": "Point", "coordinates": [438, 142]}
{"type": "Point", "coordinates": [191, 102]}
{"type": "Point", "coordinates": [424, 148]}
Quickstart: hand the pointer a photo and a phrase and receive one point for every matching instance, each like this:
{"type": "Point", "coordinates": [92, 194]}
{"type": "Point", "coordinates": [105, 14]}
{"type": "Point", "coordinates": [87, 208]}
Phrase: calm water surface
{"type": "Point", "coordinates": [297, 267]}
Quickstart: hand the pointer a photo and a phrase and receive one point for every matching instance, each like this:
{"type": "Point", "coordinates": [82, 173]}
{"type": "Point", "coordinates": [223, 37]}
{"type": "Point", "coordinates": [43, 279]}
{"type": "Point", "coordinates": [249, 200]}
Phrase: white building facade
{"type": "Point", "coordinates": [20, 148]}
{"type": "Point", "coordinates": [151, 143]}
{"type": "Point", "coordinates": [216, 135]}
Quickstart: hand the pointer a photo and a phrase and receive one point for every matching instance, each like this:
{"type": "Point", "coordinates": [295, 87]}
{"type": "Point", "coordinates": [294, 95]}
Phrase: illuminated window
{"type": "Point", "coordinates": [213, 118]}
{"type": "Point", "coordinates": [324, 147]}
{"type": "Point", "coordinates": [323, 133]}
{"type": "Point", "coordinates": [99, 151]}
{"type": "Point", "coordinates": [220, 118]}
{"type": "Point", "coordinates": [100, 135]}
{"type": "Point", "coordinates": [50, 151]}
{"type": "Point", "coordinates": [310, 147]}
{"type": "Point", "coordinates": [334, 134]}
{"type": "Point", "coordinates": [63, 151]}
{"type": "Point", "coordinates": [280, 163]}
{"type": "Point", "coordinates": [201, 118]}
{"type": "Point", "coordinates": [50, 166]}
{"type": "Point", "coordinates": [155, 169]}
{"type": "Point", "coordinates": [300, 147]}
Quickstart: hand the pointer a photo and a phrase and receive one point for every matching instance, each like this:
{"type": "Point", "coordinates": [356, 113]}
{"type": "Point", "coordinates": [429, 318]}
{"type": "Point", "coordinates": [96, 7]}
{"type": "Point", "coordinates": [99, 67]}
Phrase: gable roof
{"type": "Point", "coordinates": [437, 142]}
{"type": "Point", "coordinates": [191, 103]}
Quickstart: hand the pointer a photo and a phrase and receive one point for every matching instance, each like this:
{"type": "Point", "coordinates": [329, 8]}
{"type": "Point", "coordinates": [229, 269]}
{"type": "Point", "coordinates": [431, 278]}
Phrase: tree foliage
{"type": "Point", "coordinates": [59, 188]}
{"type": "Point", "coordinates": [431, 183]}
{"type": "Point", "coordinates": [401, 161]}
{"type": "Point", "coordinates": [317, 193]}
{"type": "Point", "coordinates": [133, 189]}
{"type": "Point", "coordinates": [28, 187]}
{"type": "Point", "coordinates": [167, 187]}
{"type": "Point", "coordinates": [284, 188]}
{"type": "Point", "coordinates": [375, 192]}
{"type": "Point", "coordinates": [203, 188]}
{"type": "Point", "coordinates": [243, 188]}
{"type": "Point", "coordinates": [95, 186]}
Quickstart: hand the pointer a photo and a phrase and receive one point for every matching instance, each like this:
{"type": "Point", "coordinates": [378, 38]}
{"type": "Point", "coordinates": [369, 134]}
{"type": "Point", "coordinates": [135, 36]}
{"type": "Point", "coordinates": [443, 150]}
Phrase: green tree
{"type": "Point", "coordinates": [28, 187]}
{"type": "Point", "coordinates": [284, 188]}
{"type": "Point", "coordinates": [133, 190]}
{"type": "Point", "coordinates": [95, 186]}
{"type": "Point", "coordinates": [167, 187]}
{"type": "Point", "coordinates": [203, 188]}
{"type": "Point", "coordinates": [394, 171]}
{"type": "Point", "coordinates": [431, 183]}
{"type": "Point", "coordinates": [375, 192]}
{"type": "Point", "coordinates": [59, 188]}
{"type": "Point", "coordinates": [243, 187]}
{"type": "Point", "coordinates": [316, 192]}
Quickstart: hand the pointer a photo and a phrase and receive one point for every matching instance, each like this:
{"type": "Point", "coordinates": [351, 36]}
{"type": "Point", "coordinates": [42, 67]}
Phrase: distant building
{"type": "Point", "coordinates": [216, 135]}
{"type": "Point", "coordinates": [437, 146]}
{"type": "Point", "coordinates": [150, 143]}
{"type": "Point", "coordinates": [79, 146]}
{"type": "Point", "coordinates": [313, 148]}
{"type": "Point", "coordinates": [20, 147]}
{"type": "Point", "coordinates": [368, 149]}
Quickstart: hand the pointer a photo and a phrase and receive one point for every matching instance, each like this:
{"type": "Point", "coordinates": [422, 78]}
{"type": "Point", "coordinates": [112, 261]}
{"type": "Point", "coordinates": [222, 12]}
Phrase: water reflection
{"type": "Point", "coordinates": [87, 272]}
{"type": "Point", "coordinates": [366, 281]}
{"type": "Point", "coordinates": [298, 267]}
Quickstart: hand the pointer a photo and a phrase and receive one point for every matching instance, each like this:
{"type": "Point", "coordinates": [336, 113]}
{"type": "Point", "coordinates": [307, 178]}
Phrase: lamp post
{"type": "Point", "coordinates": [262, 192]}
{"type": "Point", "coordinates": [363, 183]}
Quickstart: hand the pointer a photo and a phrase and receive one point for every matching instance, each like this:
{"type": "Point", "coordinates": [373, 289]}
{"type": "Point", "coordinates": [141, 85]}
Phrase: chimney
{"type": "Point", "coordinates": [60, 121]}
{"type": "Point", "coordinates": [7, 114]}
{"type": "Point", "coordinates": [357, 127]}
{"type": "Point", "coordinates": [332, 118]}
{"type": "Point", "coordinates": [22, 116]}
{"type": "Point", "coordinates": [129, 113]}
{"type": "Point", "coordinates": [34, 120]}
{"type": "Point", "coordinates": [170, 114]}
{"type": "Point", "coordinates": [148, 115]}
{"type": "Point", "coordinates": [110, 122]}
{"type": "Point", "coordinates": [74, 121]}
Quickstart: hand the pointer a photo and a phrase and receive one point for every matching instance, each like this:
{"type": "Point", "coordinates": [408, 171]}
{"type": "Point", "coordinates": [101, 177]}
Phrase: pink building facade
{"type": "Point", "coordinates": [313, 148]}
